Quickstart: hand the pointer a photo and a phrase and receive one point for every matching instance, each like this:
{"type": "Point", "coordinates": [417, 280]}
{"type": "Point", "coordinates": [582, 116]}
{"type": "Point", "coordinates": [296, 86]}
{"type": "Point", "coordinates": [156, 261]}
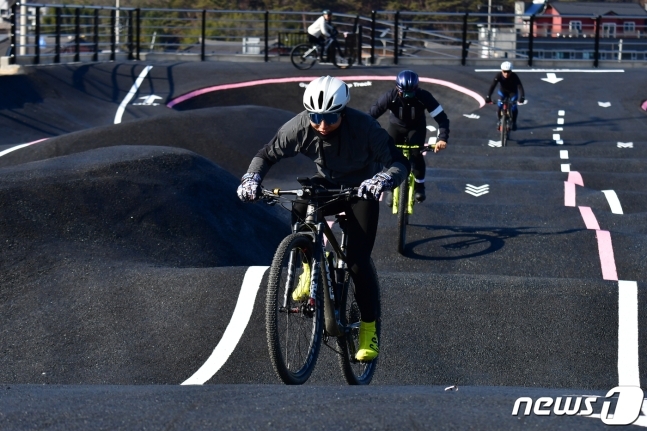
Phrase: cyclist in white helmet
{"type": "Point", "coordinates": [349, 149]}
{"type": "Point", "coordinates": [511, 87]}
{"type": "Point", "coordinates": [321, 30]}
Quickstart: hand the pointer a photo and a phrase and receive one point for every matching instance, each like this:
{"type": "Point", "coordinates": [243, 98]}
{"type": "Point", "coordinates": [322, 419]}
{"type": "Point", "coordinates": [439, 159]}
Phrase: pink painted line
{"type": "Point", "coordinates": [195, 93]}
{"type": "Point", "coordinates": [575, 178]}
{"type": "Point", "coordinates": [589, 218]}
{"type": "Point", "coordinates": [605, 248]}
{"type": "Point", "coordinates": [569, 194]}
{"type": "Point", "coordinates": [644, 105]}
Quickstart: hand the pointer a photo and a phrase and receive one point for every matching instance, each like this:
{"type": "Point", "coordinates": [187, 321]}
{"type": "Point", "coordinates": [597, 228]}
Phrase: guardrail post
{"type": "Point", "coordinates": [267, 36]}
{"type": "Point", "coordinates": [113, 35]}
{"type": "Point", "coordinates": [12, 20]}
{"type": "Point", "coordinates": [131, 49]}
{"type": "Point", "coordinates": [372, 37]}
{"type": "Point", "coordinates": [204, 35]}
{"type": "Point", "coordinates": [596, 54]}
{"type": "Point", "coordinates": [77, 34]}
{"type": "Point", "coordinates": [139, 32]}
{"type": "Point", "coordinates": [395, 37]}
{"type": "Point", "coordinates": [359, 44]}
{"type": "Point", "coordinates": [57, 39]}
{"type": "Point", "coordinates": [531, 39]}
{"type": "Point", "coordinates": [37, 37]}
{"type": "Point", "coordinates": [464, 51]}
{"type": "Point", "coordinates": [95, 39]}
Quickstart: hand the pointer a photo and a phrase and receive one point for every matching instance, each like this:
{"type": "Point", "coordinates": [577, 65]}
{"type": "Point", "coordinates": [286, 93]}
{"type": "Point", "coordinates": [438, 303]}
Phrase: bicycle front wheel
{"type": "Point", "coordinates": [354, 371]}
{"type": "Point", "coordinates": [403, 201]}
{"type": "Point", "coordinates": [504, 130]}
{"type": "Point", "coordinates": [303, 56]}
{"type": "Point", "coordinates": [294, 328]}
{"type": "Point", "coordinates": [340, 60]}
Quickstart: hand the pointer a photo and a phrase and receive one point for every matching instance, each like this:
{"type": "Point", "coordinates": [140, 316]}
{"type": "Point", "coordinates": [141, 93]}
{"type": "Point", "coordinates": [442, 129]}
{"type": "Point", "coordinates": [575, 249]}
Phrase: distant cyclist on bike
{"type": "Point", "coordinates": [510, 87]}
{"type": "Point", "coordinates": [350, 149]}
{"type": "Point", "coordinates": [407, 103]}
{"type": "Point", "coordinates": [321, 30]}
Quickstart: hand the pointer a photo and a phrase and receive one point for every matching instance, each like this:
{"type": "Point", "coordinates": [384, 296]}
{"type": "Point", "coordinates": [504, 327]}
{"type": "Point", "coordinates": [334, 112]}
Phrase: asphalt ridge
{"type": "Point", "coordinates": [504, 289]}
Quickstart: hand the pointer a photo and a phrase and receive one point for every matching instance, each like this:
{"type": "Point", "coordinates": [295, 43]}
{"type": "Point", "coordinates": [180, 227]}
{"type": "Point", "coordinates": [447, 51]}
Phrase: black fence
{"type": "Point", "coordinates": [61, 33]}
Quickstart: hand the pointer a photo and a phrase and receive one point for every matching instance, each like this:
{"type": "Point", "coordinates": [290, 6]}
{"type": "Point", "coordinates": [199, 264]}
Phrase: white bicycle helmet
{"type": "Point", "coordinates": [506, 66]}
{"type": "Point", "coordinates": [326, 95]}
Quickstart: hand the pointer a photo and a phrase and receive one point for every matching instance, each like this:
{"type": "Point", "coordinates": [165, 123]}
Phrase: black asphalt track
{"type": "Point", "coordinates": [125, 248]}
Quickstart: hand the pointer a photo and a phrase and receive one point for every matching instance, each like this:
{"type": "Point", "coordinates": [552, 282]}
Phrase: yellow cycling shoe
{"type": "Point", "coordinates": [368, 347]}
{"type": "Point", "coordinates": [302, 291]}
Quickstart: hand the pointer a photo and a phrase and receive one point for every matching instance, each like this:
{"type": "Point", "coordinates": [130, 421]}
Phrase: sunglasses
{"type": "Point", "coordinates": [328, 118]}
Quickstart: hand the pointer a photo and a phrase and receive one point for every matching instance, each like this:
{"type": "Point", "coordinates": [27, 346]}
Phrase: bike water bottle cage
{"type": "Point", "coordinates": [328, 118]}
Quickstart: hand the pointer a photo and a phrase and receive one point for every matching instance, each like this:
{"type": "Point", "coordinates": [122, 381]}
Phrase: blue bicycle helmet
{"type": "Point", "coordinates": [407, 83]}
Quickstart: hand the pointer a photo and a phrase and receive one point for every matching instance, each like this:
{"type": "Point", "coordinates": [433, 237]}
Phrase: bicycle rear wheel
{"type": "Point", "coordinates": [294, 330]}
{"type": "Point", "coordinates": [504, 129]}
{"type": "Point", "coordinates": [403, 216]}
{"type": "Point", "coordinates": [303, 56]}
{"type": "Point", "coordinates": [354, 371]}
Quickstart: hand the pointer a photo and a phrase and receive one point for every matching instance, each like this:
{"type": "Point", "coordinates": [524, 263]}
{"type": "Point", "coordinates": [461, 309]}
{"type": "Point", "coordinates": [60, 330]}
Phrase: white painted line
{"type": "Point", "coordinates": [604, 104]}
{"type": "Point", "coordinates": [556, 137]}
{"type": "Point", "coordinates": [563, 154]}
{"type": "Point", "coordinates": [494, 143]}
{"type": "Point", "coordinates": [613, 200]}
{"type": "Point", "coordinates": [235, 329]}
{"type": "Point", "coordinates": [625, 144]}
{"type": "Point", "coordinates": [554, 70]}
{"type": "Point", "coordinates": [561, 112]}
{"type": "Point", "coordinates": [560, 142]}
{"type": "Point", "coordinates": [17, 147]}
{"type": "Point", "coordinates": [131, 94]}
{"type": "Point", "coordinates": [566, 167]}
{"type": "Point", "coordinates": [560, 121]}
{"type": "Point", "coordinates": [628, 374]}
{"type": "Point", "coordinates": [558, 129]}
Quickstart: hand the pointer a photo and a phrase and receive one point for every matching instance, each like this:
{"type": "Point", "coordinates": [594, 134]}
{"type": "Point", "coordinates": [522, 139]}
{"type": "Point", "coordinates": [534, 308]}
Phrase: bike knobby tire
{"type": "Point", "coordinates": [403, 200]}
{"type": "Point", "coordinates": [294, 333]}
{"type": "Point", "coordinates": [303, 56]}
{"type": "Point", "coordinates": [354, 371]}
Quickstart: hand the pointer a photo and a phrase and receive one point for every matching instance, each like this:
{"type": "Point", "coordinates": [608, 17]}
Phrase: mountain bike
{"type": "Point", "coordinates": [296, 328]}
{"type": "Point", "coordinates": [305, 55]}
{"type": "Point", "coordinates": [403, 196]}
{"type": "Point", "coordinates": [505, 125]}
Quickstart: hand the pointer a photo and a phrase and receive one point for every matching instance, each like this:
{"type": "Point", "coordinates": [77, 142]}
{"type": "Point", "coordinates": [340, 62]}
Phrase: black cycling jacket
{"type": "Point", "coordinates": [356, 151]}
{"type": "Point", "coordinates": [509, 85]}
{"type": "Point", "coordinates": [410, 112]}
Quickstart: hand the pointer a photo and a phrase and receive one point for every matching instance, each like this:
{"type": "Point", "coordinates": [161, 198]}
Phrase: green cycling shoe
{"type": "Point", "coordinates": [368, 346]}
{"type": "Point", "coordinates": [302, 291]}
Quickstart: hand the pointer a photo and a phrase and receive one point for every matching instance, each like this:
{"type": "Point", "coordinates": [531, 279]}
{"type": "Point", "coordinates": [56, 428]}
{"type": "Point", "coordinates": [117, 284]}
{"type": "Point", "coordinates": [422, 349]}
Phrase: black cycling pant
{"type": "Point", "coordinates": [414, 135]}
{"type": "Point", "coordinates": [361, 228]}
{"type": "Point", "coordinates": [319, 41]}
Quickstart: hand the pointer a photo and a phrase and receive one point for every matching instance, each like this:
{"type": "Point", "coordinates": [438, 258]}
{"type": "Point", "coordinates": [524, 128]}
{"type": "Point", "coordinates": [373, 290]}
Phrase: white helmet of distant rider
{"type": "Point", "coordinates": [506, 66]}
{"type": "Point", "coordinates": [326, 95]}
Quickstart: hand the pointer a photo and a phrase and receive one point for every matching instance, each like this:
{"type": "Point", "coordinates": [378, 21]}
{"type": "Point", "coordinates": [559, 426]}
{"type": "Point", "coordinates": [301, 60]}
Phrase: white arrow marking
{"type": "Point", "coordinates": [473, 116]}
{"type": "Point", "coordinates": [494, 144]}
{"type": "Point", "coordinates": [625, 144]}
{"type": "Point", "coordinates": [604, 104]}
{"type": "Point", "coordinates": [613, 200]}
{"type": "Point", "coordinates": [566, 167]}
{"type": "Point", "coordinates": [477, 190]}
{"type": "Point", "coordinates": [149, 100]}
{"type": "Point", "coordinates": [235, 329]}
{"type": "Point", "coordinates": [563, 154]}
{"type": "Point", "coordinates": [552, 78]}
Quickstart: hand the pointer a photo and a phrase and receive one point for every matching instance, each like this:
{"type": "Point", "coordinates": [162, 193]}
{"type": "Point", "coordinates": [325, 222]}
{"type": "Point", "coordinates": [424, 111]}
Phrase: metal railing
{"type": "Point", "coordinates": [43, 33]}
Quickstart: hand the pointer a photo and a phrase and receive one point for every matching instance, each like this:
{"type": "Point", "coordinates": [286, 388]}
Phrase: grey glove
{"type": "Point", "coordinates": [373, 188]}
{"type": "Point", "coordinates": [249, 188]}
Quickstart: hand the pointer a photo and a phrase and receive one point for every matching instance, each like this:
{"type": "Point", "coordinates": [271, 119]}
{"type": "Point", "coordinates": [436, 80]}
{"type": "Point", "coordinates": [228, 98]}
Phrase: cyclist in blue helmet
{"type": "Point", "coordinates": [321, 30]}
{"type": "Point", "coordinates": [509, 86]}
{"type": "Point", "coordinates": [407, 103]}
